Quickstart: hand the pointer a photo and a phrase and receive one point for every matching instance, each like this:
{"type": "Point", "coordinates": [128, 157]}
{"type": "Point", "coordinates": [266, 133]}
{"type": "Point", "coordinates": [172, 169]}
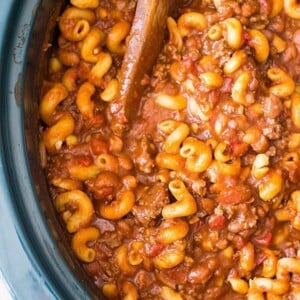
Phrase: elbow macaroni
{"type": "Point", "coordinates": [211, 80]}
{"type": "Point", "coordinates": [84, 101]}
{"type": "Point", "coordinates": [68, 58]}
{"type": "Point", "coordinates": [129, 290]}
{"type": "Point", "coordinates": [260, 44]}
{"type": "Point", "coordinates": [247, 257]}
{"type": "Point", "coordinates": [238, 58]}
{"type": "Point", "coordinates": [295, 109]}
{"type": "Point", "coordinates": [50, 101]}
{"type": "Point", "coordinates": [197, 154]}
{"type": "Point", "coordinates": [119, 207]}
{"type": "Point", "coordinates": [172, 230]}
{"type": "Point", "coordinates": [90, 43]}
{"type": "Point", "coordinates": [292, 8]}
{"type": "Point", "coordinates": [76, 208]}
{"type": "Point", "coordinates": [116, 37]}
{"type": "Point", "coordinates": [82, 18]}
{"type": "Point", "coordinates": [79, 241]}
{"type": "Point", "coordinates": [284, 85]}
{"type": "Point", "coordinates": [167, 294]}
{"type": "Point", "coordinates": [240, 88]}
{"type": "Point", "coordinates": [69, 79]}
{"type": "Point", "coordinates": [202, 195]}
{"type": "Point", "coordinates": [175, 37]}
{"type": "Point", "coordinates": [172, 256]}
{"type": "Point", "coordinates": [102, 66]}
{"type": "Point", "coordinates": [177, 102]}
{"type": "Point", "coordinates": [174, 139]}
{"type": "Point", "coordinates": [54, 136]}
{"type": "Point", "coordinates": [233, 33]}
{"type": "Point", "coordinates": [271, 186]}
{"type": "Point", "coordinates": [277, 6]}
{"type": "Point", "coordinates": [185, 204]}
{"type": "Point", "coordinates": [85, 3]}
{"type": "Point", "coordinates": [189, 21]}
{"type": "Point", "coordinates": [111, 91]}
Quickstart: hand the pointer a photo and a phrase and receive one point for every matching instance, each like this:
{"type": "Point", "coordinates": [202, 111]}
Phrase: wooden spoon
{"type": "Point", "coordinates": [144, 44]}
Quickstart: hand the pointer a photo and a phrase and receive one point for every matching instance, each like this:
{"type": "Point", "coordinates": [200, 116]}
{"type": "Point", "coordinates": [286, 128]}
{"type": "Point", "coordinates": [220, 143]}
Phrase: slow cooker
{"type": "Point", "coordinates": [34, 263]}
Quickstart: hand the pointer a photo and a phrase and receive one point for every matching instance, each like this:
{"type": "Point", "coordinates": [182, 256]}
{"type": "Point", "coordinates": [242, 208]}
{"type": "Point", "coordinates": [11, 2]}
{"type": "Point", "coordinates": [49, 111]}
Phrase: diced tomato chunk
{"type": "Point", "coordinates": [246, 36]}
{"type": "Point", "coordinates": [237, 149]}
{"type": "Point", "coordinates": [216, 222]}
{"type": "Point", "coordinates": [98, 146]}
{"type": "Point", "coordinates": [234, 195]}
{"type": "Point", "coordinates": [97, 121]}
{"type": "Point", "coordinates": [264, 239]}
{"type": "Point", "coordinates": [154, 250]}
{"type": "Point", "coordinates": [84, 161]}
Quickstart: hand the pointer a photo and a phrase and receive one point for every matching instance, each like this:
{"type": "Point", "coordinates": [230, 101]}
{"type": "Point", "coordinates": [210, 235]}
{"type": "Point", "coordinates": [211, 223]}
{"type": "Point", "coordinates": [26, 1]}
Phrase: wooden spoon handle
{"type": "Point", "coordinates": [144, 44]}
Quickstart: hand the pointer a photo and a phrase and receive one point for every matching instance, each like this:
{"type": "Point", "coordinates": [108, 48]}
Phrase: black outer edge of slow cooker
{"type": "Point", "coordinates": [45, 258]}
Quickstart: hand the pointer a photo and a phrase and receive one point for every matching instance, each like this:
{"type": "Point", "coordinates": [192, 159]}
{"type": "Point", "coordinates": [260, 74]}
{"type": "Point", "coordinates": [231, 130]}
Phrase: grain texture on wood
{"type": "Point", "coordinates": [144, 44]}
